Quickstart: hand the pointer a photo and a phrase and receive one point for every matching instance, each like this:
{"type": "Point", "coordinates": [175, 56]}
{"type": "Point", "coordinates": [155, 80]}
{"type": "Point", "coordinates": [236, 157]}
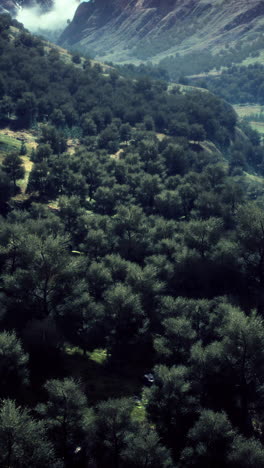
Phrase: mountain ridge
{"type": "Point", "coordinates": [12, 6]}
{"type": "Point", "coordinates": [166, 27]}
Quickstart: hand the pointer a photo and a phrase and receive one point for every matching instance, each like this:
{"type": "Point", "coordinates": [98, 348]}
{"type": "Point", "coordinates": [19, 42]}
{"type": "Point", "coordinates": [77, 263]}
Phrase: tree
{"type": "Point", "coordinates": [144, 449]}
{"type": "Point", "coordinates": [23, 149]}
{"type": "Point", "coordinates": [42, 153]}
{"type": "Point", "coordinates": [81, 319]}
{"type": "Point", "coordinates": [50, 135]}
{"type": "Point", "coordinates": [6, 107]}
{"type": "Point", "coordinates": [209, 442]}
{"type": "Point", "coordinates": [63, 414]}
{"type": "Point", "coordinates": [125, 132]}
{"type": "Point", "coordinates": [14, 168]}
{"type": "Point", "coordinates": [57, 118]}
{"type": "Point", "coordinates": [40, 181]}
{"type": "Point", "coordinates": [76, 58]}
{"type": "Point", "coordinates": [145, 282]}
{"type": "Point", "coordinates": [130, 227]}
{"type": "Point", "coordinates": [23, 440]}
{"type": "Point", "coordinates": [88, 126]}
{"type": "Point", "coordinates": [13, 364]}
{"type": "Point", "coordinates": [246, 453]}
{"type": "Point", "coordinates": [148, 190]}
{"type": "Point", "coordinates": [5, 189]}
{"type": "Point", "coordinates": [250, 235]}
{"type": "Point", "coordinates": [203, 234]}
{"type": "Point", "coordinates": [34, 288]}
{"type": "Point", "coordinates": [99, 279]}
{"type": "Point", "coordinates": [234, 363]}
{"type": "Point", "coordinates": [176, 159]}
{"type": "Point", "coordinates": [168, 203]}
{"type": "Point", "coordinates": [172, 405]}
{"type": "Point", "coordinates": [125, 321]}
{"type": "Point", "coordinates": [26, 108]}
{"type": "Point", "coordinates": [173, 346]}
{"type": "Point", "coordinates": [113, 422]}
{"type": "Point", "coordinates": [197, 133]}
{"type": "Point", "coordinates": [109, 138]}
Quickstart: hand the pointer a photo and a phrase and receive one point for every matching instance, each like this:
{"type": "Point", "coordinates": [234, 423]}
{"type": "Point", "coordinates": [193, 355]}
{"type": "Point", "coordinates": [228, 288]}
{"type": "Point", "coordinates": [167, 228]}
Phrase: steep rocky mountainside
{"type": "Point", "coordinates": [8, 6]}
{"type": "Point", "coordinates": [12, 6]}
{"type": "Point", "coordinates": [125, 30]}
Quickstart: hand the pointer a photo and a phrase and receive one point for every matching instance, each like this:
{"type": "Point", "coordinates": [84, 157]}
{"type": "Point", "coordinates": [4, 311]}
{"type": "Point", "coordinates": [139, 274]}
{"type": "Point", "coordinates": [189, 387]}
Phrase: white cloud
{"type": "Point", "coordinates": [55, 19]}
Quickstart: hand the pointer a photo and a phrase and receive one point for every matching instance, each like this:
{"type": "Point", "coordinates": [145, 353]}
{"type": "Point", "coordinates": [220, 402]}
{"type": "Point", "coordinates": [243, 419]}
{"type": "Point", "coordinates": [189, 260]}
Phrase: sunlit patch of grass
{"type": "Point", "coordinates": [248, 111]}
{"type": "Point", "coordinates": [259, 126]}
{"type": "Point", "coordinates": [251, 60]}
{"type": "Point", "coordinates": [99, 356]}
{"type": "Point", "coordinates": [139, 413]}
{"type": "Point", "coordinates": [8, 144]}
{"type": "Point", "coordinates": [28, 167]}
{"type": "Point", "coordinates": [73, 350]}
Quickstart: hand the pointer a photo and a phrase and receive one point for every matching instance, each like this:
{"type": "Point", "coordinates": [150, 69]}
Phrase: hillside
{"type": "Point", "coordinates": [129, 30]}
{"type": "Point", "coordinates": [131, 269]}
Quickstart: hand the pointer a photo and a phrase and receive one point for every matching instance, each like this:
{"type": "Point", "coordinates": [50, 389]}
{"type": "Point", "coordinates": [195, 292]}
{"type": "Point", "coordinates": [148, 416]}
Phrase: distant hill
{"type": "Point", "coordinates": [125, 30]}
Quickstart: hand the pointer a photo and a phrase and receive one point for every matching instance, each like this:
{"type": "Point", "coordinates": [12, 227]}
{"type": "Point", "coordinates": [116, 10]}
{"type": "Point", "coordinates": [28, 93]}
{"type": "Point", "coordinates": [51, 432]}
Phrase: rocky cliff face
{"type": "Point", "coordinates": [123, 30]}
{"type": "Point", "coordinates": [8, 6]}
{"type": "Point", "coordinates": [12, 6]}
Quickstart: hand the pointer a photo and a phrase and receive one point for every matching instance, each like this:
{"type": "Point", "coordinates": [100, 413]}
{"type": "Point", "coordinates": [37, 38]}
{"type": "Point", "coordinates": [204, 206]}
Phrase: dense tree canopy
{"type": "Point", "coordinates": [131, 271]}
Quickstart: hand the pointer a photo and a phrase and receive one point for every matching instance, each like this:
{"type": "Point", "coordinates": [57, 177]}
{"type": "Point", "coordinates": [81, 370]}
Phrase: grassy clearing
{"type": "Point", "coordinates": [259, 126]}
{"type": "Point", "coordinates": [248, 111]}
{"type": "Point", "coordinates": [186, 88]}
{"type": "Point", "coordinates": [24, 182]}
{"type": "Point", "coordinates": [100, 381]}
{"type": "Point", "coordinates": [251, 112]}
{"type": "Point", "coordinates": [11, 141]}
{"type": "Point", "coordinates": [251, 60]}
{"type": "Point", "coordinates": [161, 136]}
{"type": "Point", "coordinates": [139, 412]}
{"type": "Point", "coordinates": [7, 145]}
{"type": "Point", "coordinates": [117, 155]}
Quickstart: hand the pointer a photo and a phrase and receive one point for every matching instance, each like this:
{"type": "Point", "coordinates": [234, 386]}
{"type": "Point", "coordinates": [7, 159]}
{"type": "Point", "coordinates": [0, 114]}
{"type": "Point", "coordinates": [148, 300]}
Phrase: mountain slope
{"type": "Point", "coordinates": [129, 29]}
{"type": "Point", "coordinates": [12, 6]}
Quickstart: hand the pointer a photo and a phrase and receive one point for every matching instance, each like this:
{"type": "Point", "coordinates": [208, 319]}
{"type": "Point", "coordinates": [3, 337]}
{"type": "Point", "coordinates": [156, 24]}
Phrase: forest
{"type": "Point", "coordinates": [237, 85]}
{"type": "Point", "coordinates": [131, 271]}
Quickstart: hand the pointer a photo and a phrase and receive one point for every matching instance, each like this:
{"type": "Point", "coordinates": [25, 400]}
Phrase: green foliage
{"type": "Point", "coordinates": [23, 440]}
{"type": "Point", "coordinates": [63, 414]}
{"type": "Point", "coordinates": [172, 404]}
{"type": "Point", "coordinates": [239, 84]}
{"type": "Point", "coordinates": [140, 235]}
{"type": "Point", "coordinates": [209, 441]}
{"type": "Point", "coordinates": [144, 449]}
{"type": "Point", "coordinates": [23, 149]}
{"type": "Point", "coordinates": [13, 166]}
{"type": "Point", "coordinates": [13, 364]}
{"type": "Point", "coordinates": [113, 423]}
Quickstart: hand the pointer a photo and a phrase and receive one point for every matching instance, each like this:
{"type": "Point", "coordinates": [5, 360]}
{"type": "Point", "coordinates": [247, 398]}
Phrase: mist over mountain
{"type": "Point", "coordinates": [129, 30]}
{"type": "Point", "coordinates": [40, 16]}
{"type": "Point", "coordinates": [47, 15]}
